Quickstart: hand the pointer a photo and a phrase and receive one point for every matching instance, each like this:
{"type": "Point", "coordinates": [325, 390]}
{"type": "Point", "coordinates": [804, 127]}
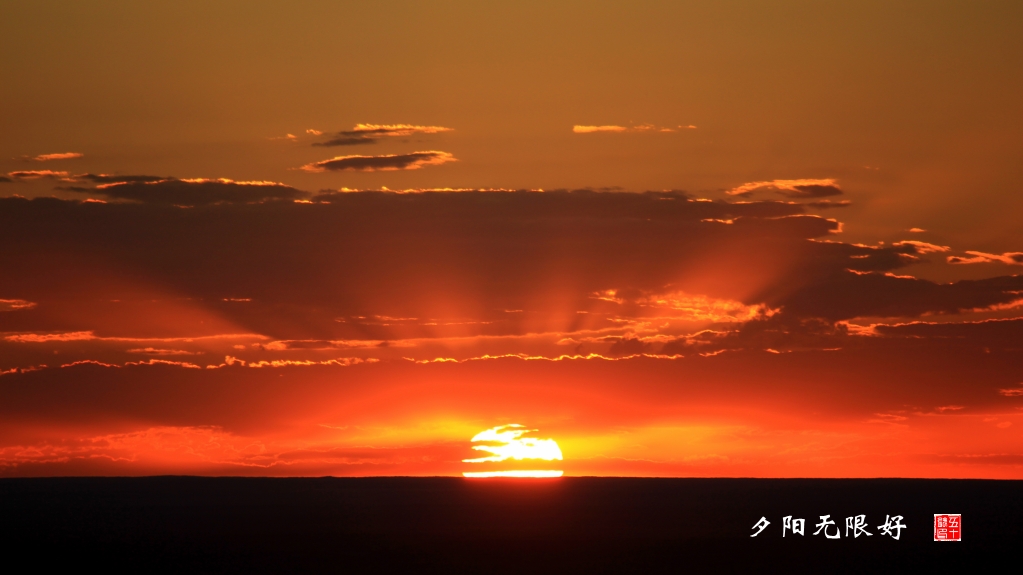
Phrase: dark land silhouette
{"type": "Point", "coordinates": [453, 525]}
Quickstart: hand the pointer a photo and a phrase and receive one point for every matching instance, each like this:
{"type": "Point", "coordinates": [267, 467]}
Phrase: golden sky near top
{"type": "Point", "coordinates": [912, 107]}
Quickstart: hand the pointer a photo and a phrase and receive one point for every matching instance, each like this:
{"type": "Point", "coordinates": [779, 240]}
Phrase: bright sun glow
{"type": "Point", "coordinates": [506, 442]}
{"type": "Point", "coordinates": [518, 473]}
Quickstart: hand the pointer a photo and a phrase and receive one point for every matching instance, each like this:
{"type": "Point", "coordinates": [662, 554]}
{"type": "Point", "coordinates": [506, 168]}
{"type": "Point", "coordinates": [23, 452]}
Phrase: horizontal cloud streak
{"type": "Point", "coordinates": [826, 204]}
{"type": "Point", "coordinates": [592, 129]}
{"type": "Point", "coordinates": [380, 130]}
{"type": "Point", "coordinates": [60, 156]}
{"type": "Point", "coordinates": [389, 162]}
{"type": "Point", "coordinates": [345, 141]}
{"type": "Point", "coordinates": [51, 337]}
{"type": "Point", "coordinates": [618, 129]}
{"type": "Point", "coordinates": [38, 175]}
{"type": "Point", "coordinates": [1008, 258]}
{"type": "Point", "coordinates": [187, 192]}
{"type": "Point", "coordinates": [15, 304]}
{"type": "Point", "coordinates": [115, 179]}
{"type": "Point", "coordinates": [923, 247]}
{"type": "Point", "coordinates": [370, 133]}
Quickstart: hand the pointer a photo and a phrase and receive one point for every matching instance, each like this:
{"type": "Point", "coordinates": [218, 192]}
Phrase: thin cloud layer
{"type": "Point", "coordinates": [448, 264]}
{"type": "Point", "coordinates": [15, 304]}
{"type": "Point", "coordinates": [828, 204]}
{"type": "Point", "coordinates": [38, 175]}
{"type": "Point", "coordinates": [1007, 258]}
{"type": "Point", "coordinates": [382, 130]}
{"type": "Point", "coordinates": [370, 133]}
{"type": "Point", "coordinates": [923, 247]}
{"type": "Point", "coordinates": [796, 189]}
{"type": "Point", "coordinates": [384, 163]}
{"type": "Point", "coordinates": [186, 192]}
{"type": "Point", "coordinates": [579, 129]}
{"type": "Point", "coordinates": [116, 179]}
{"type": "Point", "coordinates": [592, 129]}
{"type": "Point", "coordinates": [59, 156]}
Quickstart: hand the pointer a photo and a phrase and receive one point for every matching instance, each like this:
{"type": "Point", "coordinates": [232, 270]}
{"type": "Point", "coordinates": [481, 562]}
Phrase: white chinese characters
{"type": "Point", "coordinates": [855, 526]}
{"type": "Point", "coordinates": [892, 523]}
{"type": "Point", "coordinates": [797, 526]}
{"type": "Point", "coordinates": [760, 526]}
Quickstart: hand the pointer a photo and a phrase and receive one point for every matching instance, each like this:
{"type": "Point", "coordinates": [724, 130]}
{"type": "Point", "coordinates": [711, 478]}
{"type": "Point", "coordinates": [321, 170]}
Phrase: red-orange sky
{"type": "Point", "coordinates": [681, 239]}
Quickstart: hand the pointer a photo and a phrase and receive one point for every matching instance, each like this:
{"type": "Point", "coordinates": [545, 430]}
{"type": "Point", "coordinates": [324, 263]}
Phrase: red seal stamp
{"type": "Point", "coordinates": [948, 527]}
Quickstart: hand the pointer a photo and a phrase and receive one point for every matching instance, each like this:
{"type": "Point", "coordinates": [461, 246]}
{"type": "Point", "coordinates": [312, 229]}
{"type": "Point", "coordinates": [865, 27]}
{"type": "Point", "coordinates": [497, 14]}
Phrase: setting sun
{"type": "Point", "coordinates": [505, 442]}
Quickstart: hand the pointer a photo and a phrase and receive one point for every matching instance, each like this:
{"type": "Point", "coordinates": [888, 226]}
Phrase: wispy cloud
{"type": "Point", "coordinates": [1008, 258]}
{"type": "Point", "coordinates": [827, 204]}
{"type": "Point", "coordinates": [378, 130]}
{"type": "Point", "coordinates": [187, 192]}
{"type": "Point", "coordinates": [160, 351]}
{"type": "Point", "coordinates": [369, 133]}
{"type": "Point", "coordinates": [578, 129]}
{"type": "Point", "coordinates": [591, 129]}
{"type": "Point", "coordinates": [923, 247]}
{"type": "Point", "coordinates": [59, 156]}
{"type": "Point", "coordinates": [167, 362]}
{"type": "Point", "coordinates": [346, 141]}
{"type": "Point", "coordinates": [38, 175]}
{"type": "Point", "coordinates": [15, 304]}
{"type": "Point", "coordinates": [115, 179]}
{"type": "Point", "coordinates": [805, 188]}
{"type": "Point", "coordinates": [48, 337]}
{"type": "Point", "coordinates": [384, 163]}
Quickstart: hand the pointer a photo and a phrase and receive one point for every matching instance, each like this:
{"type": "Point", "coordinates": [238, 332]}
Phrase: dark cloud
{"type": "Point", "coordinates": [456, 260]}
{"type": "Point", "coordinates": [778, 332]}
{"type": "Point", "coordinates": [195, 192]}
{"type": "Point", "coordinates": [625, 346]}
{"type": "Point", "coordinates": [5, 180]}
{"type": "Point", "coordinates": [811, 191]}
{"type": "Point", "coordinates": [370, 133]}
{"type": "Point", "coordinates": [345, 141]}
{"type": "Point", "coordinates": [849, 295]}
{"type": "Point", "coordinates": [114, 179]}
{"type": "Point", "coordinates": [998, 332]}
{"type": "Point", "coordinates": [389, 162]}
{"type": "Point", "coordinates": [396, 255]}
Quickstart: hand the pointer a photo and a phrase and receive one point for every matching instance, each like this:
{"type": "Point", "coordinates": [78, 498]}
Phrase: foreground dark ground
{"type": "Point", "coordinates": [451, 525]}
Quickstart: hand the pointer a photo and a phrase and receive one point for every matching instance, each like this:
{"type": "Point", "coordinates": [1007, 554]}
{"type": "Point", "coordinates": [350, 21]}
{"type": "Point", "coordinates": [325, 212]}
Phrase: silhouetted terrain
{"type": "Point", "coordinates": [451, 525]}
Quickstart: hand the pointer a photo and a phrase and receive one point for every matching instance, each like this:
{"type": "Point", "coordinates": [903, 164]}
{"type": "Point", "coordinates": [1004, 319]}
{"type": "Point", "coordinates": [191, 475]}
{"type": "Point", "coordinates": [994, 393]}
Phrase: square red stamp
{"type": "Point", "coordinates": [948, 527]}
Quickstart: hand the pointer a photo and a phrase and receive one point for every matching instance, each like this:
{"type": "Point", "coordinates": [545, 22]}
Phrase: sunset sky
{"type": "Point", "coordinates": [731, 238]}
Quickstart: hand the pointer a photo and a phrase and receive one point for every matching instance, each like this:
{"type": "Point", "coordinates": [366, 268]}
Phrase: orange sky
{"type": "Point", "coordinates": [681, 239]}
